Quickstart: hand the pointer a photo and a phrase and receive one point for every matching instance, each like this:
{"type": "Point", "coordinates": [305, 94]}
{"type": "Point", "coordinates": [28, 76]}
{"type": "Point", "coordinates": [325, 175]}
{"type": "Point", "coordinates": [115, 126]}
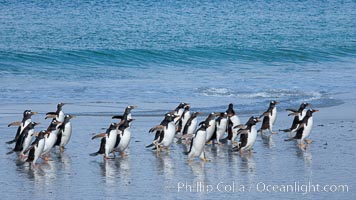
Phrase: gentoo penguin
{"type": "Point", "coordinates": [248, 134]}
{"type": "Point", "coordinates": [24, 140]}
{"type": "Point", "coordinates": [64, 132]}
{"type": "Point", "coordinates": [299, 115]}
{"type": "Point", "coordinates": [36, 148]}
{"type": "Point", "coordinates": [167, 116]}
{"type": "Point", "coordinates": [168, 131]}
{"type": "Point", "coordinates": [269, 117]}
{"type": "Point", "coordinates": [184, 118]}
{"type": "Point", "coordinates": [210, 120]}
{"type": "Point", "coordinates": [233, 121]}
{"type": "Point", "coordinates": [51, 138]}
{"type": "Point", "coordinates": [179, 111]}
{"type": "Point", "coordinates": [191, 125]}
{"type": "Point", "coordinates": [127, 113]}
{"type": "Point", "coordinates": [124, 137]}
{"type": "Point", "coordinates": [304, 129]}
{"type": "Point", "coordinates": [108, 141]}
{"type": "Point", "coordinates": [221, 126]}
{"type": "Point", "coordinates": [27, 114]}
{"type": "Point", "coordinates": [58, 115]}
{"type": "Point", "coordinates": [198, 143]}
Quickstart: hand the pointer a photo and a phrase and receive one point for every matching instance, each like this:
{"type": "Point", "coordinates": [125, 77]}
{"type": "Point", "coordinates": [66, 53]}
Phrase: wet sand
{"type": "Point", "coordinates": [329, 160]}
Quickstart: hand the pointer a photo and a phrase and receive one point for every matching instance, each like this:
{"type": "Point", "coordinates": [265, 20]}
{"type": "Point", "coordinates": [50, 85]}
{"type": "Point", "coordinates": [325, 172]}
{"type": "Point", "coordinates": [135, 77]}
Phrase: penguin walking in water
{"type": "Point", "coordinates": [167, 132]}
{"type": "Point", "coordinates": [27, 114]}
{"type": "Point", "coordinates": [127, 113]}
{"type": "Point", "coordinates": [159, 132]}
{"type": "Point", "coordinates": [269, 117]}
{"type": "Point", "coordinates": [51, 138]}
{"type": "Point", "coordinates": [221, 127]}
{"type": "Point", "coordinates": [304, 129]}
{"type": "Point", "coordinates": [299, 115]}
{"type": "Point", "coordinates": [210, 120]}
{"type": "Point", "coordinates": [198, 143]}
{"type": "Point", "coordinates": [35, 150]}
{"type": "Point", "coordinates": [191, 125]}
{"type": "Point", "coordinates": [124, 137]}
{"type": "Point", "coordinates": [24, 140]}
{"type": "Point", "coordinates": [58, 115]}
{"type": "Point", "coordinates": [179, 111]}
{"type": "Point", "coordinates": [184, 119]}
{"type": "Point", "coordinates": [233, 121]}
{"type": "Point", "coordinates": [248, 134]}
{"type": "Point", "coordinates": [108, 141]}
{"type": "Point", "coordinates": [64, 132]}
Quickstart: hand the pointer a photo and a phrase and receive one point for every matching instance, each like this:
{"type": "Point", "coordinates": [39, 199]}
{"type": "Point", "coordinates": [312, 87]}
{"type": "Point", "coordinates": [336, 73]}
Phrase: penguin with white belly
{"type": "Point", "coordinates": [27, 114]}
{"type": "Point", "coordinates": [269, 117]}
{"type": "Point", "coordinates": [298, 116]}
{"type": "Point", "coordinates": [36, 148]}
{"type": "Point", "coordinates": [58, 115]}
{"type": "Point", "coordinates": [304, 129]}
{"type": "Point", "coordinates": [64, 132]}
{"type": "Point", "coordinates": [198, 143]}
{"type": "Point", "coordinates": [248, 134]}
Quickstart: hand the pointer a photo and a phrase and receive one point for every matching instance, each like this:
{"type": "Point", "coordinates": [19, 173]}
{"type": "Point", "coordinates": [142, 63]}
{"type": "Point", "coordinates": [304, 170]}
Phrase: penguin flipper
{"type": "Point", "coordinates": [117, 117]}
{"type": "Point", "coordinates": [94, 154]}
{"type": "Point", "coordinates": [98, 136]}
{"type": "Point", "coordinates": [289, 139]}
{"type": "Point", "coordinates": [150, 145]}
{"type": "Point", "coordinates": [291, 110]}
{"type": "Point", "coordinates": [29, 148]}
{"type": "Point", "coordinates": [285, 130]}
{"type": "Point", "coordinates": [11, 141]}
{"type": "Point", "coordinates": [10, 152]}
{"type": "Point", "coordinates": [159, 127]}
{"type": "Point", "coordinates": [14, 124]}
{"type": "Point", "coordinates": [51, 113]}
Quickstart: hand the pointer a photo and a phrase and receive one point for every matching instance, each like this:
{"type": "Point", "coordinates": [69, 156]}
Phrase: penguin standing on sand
{"type": "Point", "coordinates": [64, 132]}
{"type": "Point", "coordinates": [248, 134]}
{"type": "Point", "coordinates": [24, 140]}
{"type": "Point", "coordinates": [184, 119]}
{"type": "Point", "coordinates": [221, 126]}
{"type": "Point", "coordinates": [269, 117]}
{"type": "Point", "coordinates": [108, 141]}
{"type": "Point", "coordinates": [233, 121]}
{"type": "Point", "coordinates": [198, 143]}
{"type": "Point", "coordinates": [27, 114]}
{"type": "Point", "coordinates": [167, 132]}
{"type": "Point", "coordinates": [299, 115]}
{"type": "Point", "coordinates": [304, 129]}
{"type": "Point", "coordinates": [210, 120]}
{"type": "Point", "coordinates": [191, 125]}
{"type": "Point", "coordinates": [36, 148]}
{"type": "Point", "coordinates": [58, 115]}
{"type": "Point", "coordinates": [159, 132]}
{"type": "Point", "coordinates": [51, 138]}
{"type": "Point", "coordinates": [123, 137]}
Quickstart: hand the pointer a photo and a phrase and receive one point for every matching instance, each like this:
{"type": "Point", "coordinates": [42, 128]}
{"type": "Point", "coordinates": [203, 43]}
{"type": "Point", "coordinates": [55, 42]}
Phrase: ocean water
{"type": "Point", "coordinates": [100, 56]}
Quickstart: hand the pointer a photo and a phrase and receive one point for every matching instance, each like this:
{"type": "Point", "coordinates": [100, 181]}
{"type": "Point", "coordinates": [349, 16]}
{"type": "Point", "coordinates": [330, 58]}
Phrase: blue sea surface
{"type": "Point", "coordinates": [100, 56]}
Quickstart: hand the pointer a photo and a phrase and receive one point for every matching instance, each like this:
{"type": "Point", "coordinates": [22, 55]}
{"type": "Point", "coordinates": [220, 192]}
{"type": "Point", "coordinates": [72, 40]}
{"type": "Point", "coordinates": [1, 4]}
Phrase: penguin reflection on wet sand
{"type": "Point", "coordinates": [269, 117]}
{"type": "Point", "coordinates": [26, 119]}
{"type": "Point", "coordinates": [248, 134]}
{"type": "Point", "coordinates": [304, 129]}
{"type": "Point", "coordinates": [198, 143]}
{"type": "Point", "coordinates": [299, 115]}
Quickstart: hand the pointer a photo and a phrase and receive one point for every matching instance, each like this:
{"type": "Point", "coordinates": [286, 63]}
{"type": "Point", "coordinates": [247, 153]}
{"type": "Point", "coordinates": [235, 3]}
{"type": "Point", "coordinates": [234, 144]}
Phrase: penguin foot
{"type": "Point", "coordinates": [303, 146]}
{"type": "Point", "coordinates": [220, 144]}
{"type": "Point", "coordinates": [46, 158]}
{"type": "Point", "coordinates": [308, 141]}
{"type": "Point", "coordinates": [22, 156]}
{"type": "Point", "coordinates": [61, 149]}
{"type": "Point", "coordinates": [209, 143]}
{"type": "Point", "coordinates": [205, 160]}
{"type": "Point", "coordinates": [274, 132]}
{"type": "Point", "coordinates": [123, 154]}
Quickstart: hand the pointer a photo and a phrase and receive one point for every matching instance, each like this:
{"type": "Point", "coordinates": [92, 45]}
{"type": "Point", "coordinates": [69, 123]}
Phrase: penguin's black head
{"type": "Point", "coordinates": [212, 116]}
{"type": "Point", "coordinates": [181, 105]}
{"type": "Point", "coordinates": [311, 111]}
{"type": "Point", "coordinates": [230, 110]}
{"type": "Point", "coordinates": [303, 105]}
{"type": "Point", "coordinates": [53, 125]}
{"type": "Point", "coordinates": [28, 113]}
{"type": "Point", "coordinates": [42, 133]}
{"type": "Point", "coordinates": [196, 114]}
{"type": "Point", "coordinates": [203, 126]}
{"type": "Point", "coordinates": [187, 107]}
{"type": "Point", "coordinates": [253, 120]}
{"type": "Point", "coordinates": [273, 103]}
{"type": "Point", "coordinates": [129, 108]}
{"type": "Point", "coordinates": [33, 124]}
{"type": "Point", "coordinates": [223, 114]}
{"type": "Point", "coordinates": [60, 105]}
{"type": "Point", "coordinates": [69, 116]}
